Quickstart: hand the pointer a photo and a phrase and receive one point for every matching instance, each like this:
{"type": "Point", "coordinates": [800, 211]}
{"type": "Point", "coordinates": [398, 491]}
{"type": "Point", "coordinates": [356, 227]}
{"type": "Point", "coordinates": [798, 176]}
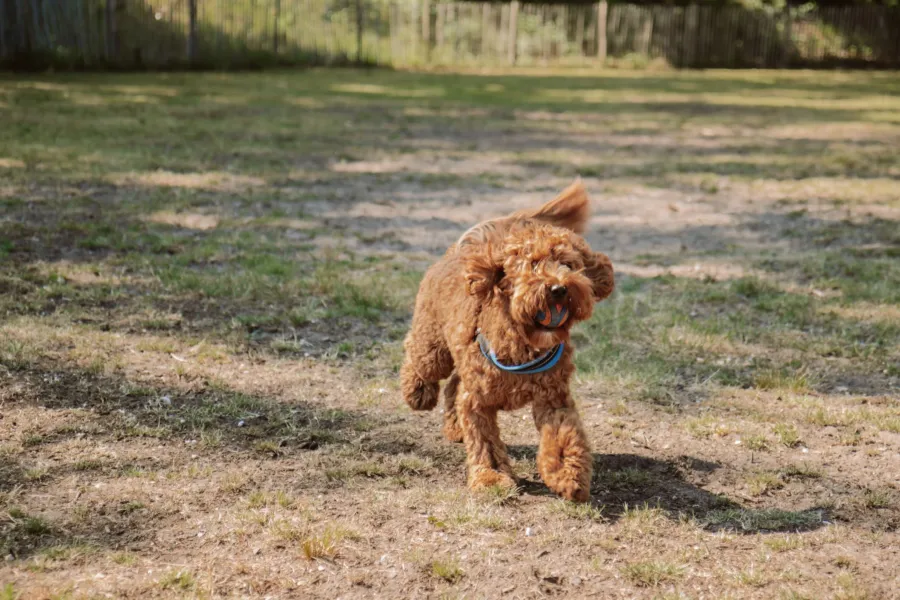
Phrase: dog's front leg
{"type": "Point", "coordinates": [486, 460]}
{"type": "Point", "coordinates": [564, 459]}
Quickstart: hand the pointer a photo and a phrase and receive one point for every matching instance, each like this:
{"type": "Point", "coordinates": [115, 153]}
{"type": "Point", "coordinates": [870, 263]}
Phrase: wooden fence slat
{"type": "Point", "coordinates": [513, 30]}
{"type": "Point", "coordinates": [602, 14]}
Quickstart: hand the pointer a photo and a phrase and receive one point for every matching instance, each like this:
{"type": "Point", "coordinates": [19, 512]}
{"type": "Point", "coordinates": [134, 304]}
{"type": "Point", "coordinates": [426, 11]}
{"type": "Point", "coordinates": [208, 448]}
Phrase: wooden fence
{"type": "Point", "coordinates": [240, 33]}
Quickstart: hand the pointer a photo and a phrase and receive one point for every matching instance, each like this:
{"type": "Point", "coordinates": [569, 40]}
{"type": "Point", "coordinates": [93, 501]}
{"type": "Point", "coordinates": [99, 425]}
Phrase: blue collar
{"type": "Point", "coordinates": [544, 362]}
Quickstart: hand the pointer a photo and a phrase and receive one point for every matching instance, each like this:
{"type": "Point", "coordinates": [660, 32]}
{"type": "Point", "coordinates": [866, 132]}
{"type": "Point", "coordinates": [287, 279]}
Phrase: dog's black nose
{"type": "Point", "coordinates": [558, 291]}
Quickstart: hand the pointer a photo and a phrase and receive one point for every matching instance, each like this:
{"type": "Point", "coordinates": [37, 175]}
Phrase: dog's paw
{"type": "Point", "coordinates": [574, 491]}
{"type": "Point", "coordinates": [571, 484]}
{"type": "Point", "coordinates": [452, 430]}
{"type": "Point", "coordinates": [482, 477]}
{"type": "Point", "coordinates": [422, 395]}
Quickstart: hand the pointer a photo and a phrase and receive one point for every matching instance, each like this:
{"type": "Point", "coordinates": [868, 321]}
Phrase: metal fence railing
{"type": "Point", "coordinates": [236, 33]}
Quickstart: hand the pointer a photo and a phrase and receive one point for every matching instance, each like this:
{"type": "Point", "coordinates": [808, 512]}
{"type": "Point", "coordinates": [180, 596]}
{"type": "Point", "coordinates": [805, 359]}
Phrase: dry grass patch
{"type": "Point", "coordinates": [850, 588]}
{"type": "Point", "coordinates": [578, 511]}
{"type": "Point", "coordinates": [796, 382]}
{"type": "Point", "coordinates": [447, 569]}
{"type": "Point", "coordinates": [762, 520]}
{"type": "Point", "coordinates": [707, 426]}
{"type": "Point", "coordinates": [653, 573]}
{"type": "Point", "coordinates": [878, 498]}
{"type": "Point", "coordinates": [784, 543]}
{"type": "Point", "coordinates": [326, 544]}
{"type": "Point", "coordinates": [801, 471]}
{"type": "Point", "coordinates": [758, 443]}
{"type": "Point", "coordinates": [751, 577]}
{"type": "Point", "coordinates": [759, 484]}
{"type": "Point", "coordinates": [787, 434]}
{"type": "Point", "coordinates": [180, 580]}
{"type": "Point", "coordinates": [642, 520]}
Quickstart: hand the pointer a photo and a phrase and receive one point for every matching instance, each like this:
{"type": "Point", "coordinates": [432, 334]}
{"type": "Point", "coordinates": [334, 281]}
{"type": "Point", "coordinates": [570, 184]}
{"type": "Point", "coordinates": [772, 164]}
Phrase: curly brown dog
{"type": "Point", "coordinates": [494, 315]}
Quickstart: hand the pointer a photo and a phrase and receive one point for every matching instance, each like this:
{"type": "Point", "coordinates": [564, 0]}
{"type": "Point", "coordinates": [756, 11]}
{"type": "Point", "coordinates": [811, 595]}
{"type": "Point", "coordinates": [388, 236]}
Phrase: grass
{"type": "Point", "coordinates": [881, 498]}
{"type": "Point", "coordinates": [784, 543]}
{"type": "Point", "coordinates": [801, 471]}
{"type": "Point", "coordinates": [653, 573]}
{"type": "Point", "coordinates": [787, 434]}
{"type": "Point", "coordinates": [325, 545]}
{"type": "Point", "coordinates": [748, 520]}
{"type": "Point", "coordinates": [178, 580]}
{"type": "Point", "coordinates": [447, 569]}
{"type": "Point", "coordinates": [751, 578]}
{"type": "Point", "coordinates": [760, 443]}
{"type": "Point", "coordinates": [759, 484]}
{"type": "Point", "coordinates": [581, 512]}
{"type": "Point", "coordinates": [205, 279]}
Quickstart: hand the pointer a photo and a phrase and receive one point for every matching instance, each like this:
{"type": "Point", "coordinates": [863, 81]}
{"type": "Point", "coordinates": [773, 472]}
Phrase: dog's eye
{"type": "Point", "coordinates": [535, 263]}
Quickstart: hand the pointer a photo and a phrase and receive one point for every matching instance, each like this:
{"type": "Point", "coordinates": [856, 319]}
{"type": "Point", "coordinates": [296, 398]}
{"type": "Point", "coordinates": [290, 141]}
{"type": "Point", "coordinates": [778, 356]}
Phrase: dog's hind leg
{"type": "Point", "coordinates": [427, 361]}
{"type": "Point", "coordinates": [452, 430]}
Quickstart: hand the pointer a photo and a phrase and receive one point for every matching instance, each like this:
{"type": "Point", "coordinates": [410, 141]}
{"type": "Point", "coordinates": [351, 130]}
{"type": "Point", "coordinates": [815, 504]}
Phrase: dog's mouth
{"type": "Point", "coordinates": [553, 317]}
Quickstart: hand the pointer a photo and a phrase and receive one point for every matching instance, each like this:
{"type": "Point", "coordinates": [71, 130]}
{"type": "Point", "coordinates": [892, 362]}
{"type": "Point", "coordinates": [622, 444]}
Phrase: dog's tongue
{"type": "Point", "coordinates": [555, 316]}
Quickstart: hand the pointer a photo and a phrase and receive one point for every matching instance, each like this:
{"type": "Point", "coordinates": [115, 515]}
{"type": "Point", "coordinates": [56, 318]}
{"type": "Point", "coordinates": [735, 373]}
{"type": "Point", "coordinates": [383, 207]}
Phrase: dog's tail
{"type": "Point", "coordinates": [570, 209]}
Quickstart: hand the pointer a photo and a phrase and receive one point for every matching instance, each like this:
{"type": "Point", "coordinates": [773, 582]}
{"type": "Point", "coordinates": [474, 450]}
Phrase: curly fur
{"type": "Point", "coordinates": [495, 279]}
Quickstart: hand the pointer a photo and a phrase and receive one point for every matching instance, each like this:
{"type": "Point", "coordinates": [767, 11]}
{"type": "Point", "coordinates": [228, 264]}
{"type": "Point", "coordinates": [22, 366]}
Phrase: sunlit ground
{"type": "Point", "coordinates": [205, 278]}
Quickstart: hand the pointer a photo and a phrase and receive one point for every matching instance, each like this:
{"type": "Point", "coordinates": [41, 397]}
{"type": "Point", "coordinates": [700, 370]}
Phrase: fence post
{"type": "Point", "coordinates": [112, 32]}
{"type": "Point", "coordinates": [691, 22]}
{"type": "Point", "coordinates": [24, 43]}
{"type": "Point", "coordinates": [647, 34]}
{"type": "Point", "coordinates": [426, 28]}
{"type": "Point", "coordinates": [602, 13]}
{"type": "Point", "coordinates": [192, 32]}
{"type": "Point", "coordinates": [787, 41]}
{"type": "Point", "coordinates": [5, 11]}
{"type": "Point", "coordinates": [579, 30]}
{"type": "Point", "coordinates": [275, 35]}
{"type": "Point", "coordinates": [513, 33]}
{"type": "Point", "coordinates": [485, 27]}
{"type": "Point", "coordinates": [359, 31]}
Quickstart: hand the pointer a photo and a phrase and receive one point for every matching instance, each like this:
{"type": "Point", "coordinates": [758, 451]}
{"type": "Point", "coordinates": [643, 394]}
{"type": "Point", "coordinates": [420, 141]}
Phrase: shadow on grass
{"type": "Point", "coordinates": [627, 486]}
{"type": "Point", "coordinates": [208, 421]}
{"type": "Point", "coordinates": [266, 289]}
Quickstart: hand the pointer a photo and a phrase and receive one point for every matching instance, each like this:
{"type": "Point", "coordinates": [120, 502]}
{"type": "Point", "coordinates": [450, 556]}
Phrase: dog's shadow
{"type": "Point", "coordinates": [623, 482]}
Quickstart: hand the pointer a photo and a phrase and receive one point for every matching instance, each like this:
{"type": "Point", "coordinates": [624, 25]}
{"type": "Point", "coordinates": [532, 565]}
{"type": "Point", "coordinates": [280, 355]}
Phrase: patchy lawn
{"type": "Point", "coordinates": [205, 279]}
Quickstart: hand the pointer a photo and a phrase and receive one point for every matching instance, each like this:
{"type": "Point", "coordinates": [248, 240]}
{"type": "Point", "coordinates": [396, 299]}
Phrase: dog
{"type": "Point", "coordinates": [494, 316]}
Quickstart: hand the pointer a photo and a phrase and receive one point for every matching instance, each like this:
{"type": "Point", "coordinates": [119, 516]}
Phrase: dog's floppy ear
{"type": "Point", "coordinates": [598, 268]}
{"type": "Point", "coordinates": [482, 269]}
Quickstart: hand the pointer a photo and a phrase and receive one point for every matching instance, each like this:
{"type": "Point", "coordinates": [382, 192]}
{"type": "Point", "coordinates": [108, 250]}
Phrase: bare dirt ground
{"type": "Point", "coordinates": [204, 281]}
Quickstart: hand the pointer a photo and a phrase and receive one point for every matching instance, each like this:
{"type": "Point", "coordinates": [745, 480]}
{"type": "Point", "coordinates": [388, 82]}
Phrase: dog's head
{"type": "Point", "coordinates": [544, 278]}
